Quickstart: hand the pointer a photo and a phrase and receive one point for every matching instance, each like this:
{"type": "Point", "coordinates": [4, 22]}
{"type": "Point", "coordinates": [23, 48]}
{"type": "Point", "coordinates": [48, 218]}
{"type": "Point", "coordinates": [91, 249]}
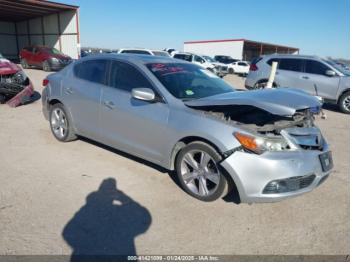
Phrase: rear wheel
{"type": "Point", "coordinates": [60, 124]}
{"type": "Point", "coordinates": [344, 103]}
{"type": "Point", "coordinates": [46, 66]}
{"type": "Point", "coordinates": [199, 173]}
{"type": "Point", "coordinates": [24, 64]}
{"type": "Point", "coordinates": [231, 71]}
{"type": "Point", "coordinates": [261, 84]}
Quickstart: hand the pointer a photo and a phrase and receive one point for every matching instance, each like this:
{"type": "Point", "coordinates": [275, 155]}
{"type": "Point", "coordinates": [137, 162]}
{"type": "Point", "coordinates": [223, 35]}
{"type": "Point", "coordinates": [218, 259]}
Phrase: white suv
{"type": "Point", "coordinates": [314, 75]}
{"type": "Point", "coordinates": [203, 61]}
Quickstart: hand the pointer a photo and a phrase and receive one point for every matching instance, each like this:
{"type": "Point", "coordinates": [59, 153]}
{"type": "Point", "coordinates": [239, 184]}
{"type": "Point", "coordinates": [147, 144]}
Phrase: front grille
{"type": "Point", "coordinates": [289, 184]}
{"type": "Point", "coordinates": [306, 138]}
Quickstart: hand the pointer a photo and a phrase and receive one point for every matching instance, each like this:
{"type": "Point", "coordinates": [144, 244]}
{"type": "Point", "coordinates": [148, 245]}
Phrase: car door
{"type": "Point", "coordinates": [129, 124]}
{"type": "Point", "coordinates": [29, 54]}
{"type": "Point", "coordinates": [289, 73]}
{"type": "Point", "coordinates": [82, 95]}
{"type": "Point", "coordinates": [35, 57]}
{"type": "Point", "coordinates": [316, 78]}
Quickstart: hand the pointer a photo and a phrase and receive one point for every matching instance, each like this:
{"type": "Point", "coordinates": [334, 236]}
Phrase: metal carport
{"type": "Point", "coordinates": [38, 22]}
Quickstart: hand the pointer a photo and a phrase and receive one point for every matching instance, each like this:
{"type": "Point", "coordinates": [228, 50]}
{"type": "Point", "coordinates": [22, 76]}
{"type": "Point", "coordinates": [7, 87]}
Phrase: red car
{"type": "Point", "coordinates": [47, 58]}
{"type": "Point", "coordinates": [15, 87]}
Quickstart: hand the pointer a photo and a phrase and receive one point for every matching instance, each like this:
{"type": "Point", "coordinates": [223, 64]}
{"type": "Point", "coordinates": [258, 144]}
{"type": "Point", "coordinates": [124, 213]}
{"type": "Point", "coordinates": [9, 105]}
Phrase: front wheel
{"type": "Point", "coordinates": [199, 173]}
{"type": "Point", "coordinates": [344, 103]}
{"type": "Point", "coordinates": [60, 124]}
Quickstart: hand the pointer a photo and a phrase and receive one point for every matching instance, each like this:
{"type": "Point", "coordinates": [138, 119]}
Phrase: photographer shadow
{"type": "Point", "coordinates": [106, 225]}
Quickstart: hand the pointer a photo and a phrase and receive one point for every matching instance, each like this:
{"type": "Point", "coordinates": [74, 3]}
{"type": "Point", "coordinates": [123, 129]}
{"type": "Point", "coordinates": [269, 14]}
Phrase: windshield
{"type": "Point", "coordinates": [209, 59]}
{"type": "Point", "coordinates": [188, 81]}
{"type": "Point", "coordinates": [160, 53]}
{"type": "Point", "coordinates": [1, 56]}
{"type": "Point", "coordinates": [338, 67]}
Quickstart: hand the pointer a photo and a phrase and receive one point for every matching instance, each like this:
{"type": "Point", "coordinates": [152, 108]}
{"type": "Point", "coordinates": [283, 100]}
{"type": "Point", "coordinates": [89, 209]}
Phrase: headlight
{"type": "Point", "coordinates": [20, 77]}
{"type": "Point", "coordinates": [54, 59]}
{"type": "Point", "coordinates": [261, 144]}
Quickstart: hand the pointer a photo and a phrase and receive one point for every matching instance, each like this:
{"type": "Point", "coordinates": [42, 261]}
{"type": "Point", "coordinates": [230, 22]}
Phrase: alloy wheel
{"type": "Point", "coordinates": [59, 123]}
{"type": "Point", "coordinates": [200, 173]}
{"type": "Point", "coordinates": [346, 103]}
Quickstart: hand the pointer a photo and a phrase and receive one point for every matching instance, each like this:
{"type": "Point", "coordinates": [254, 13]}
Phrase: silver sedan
{"type": "Point", "coordinates": [264, 143]}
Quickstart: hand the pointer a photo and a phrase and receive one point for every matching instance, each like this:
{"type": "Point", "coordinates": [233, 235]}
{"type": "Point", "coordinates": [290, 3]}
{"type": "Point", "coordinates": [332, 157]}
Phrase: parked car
{"type": "Point", "coordinates": [239, 67]}
{"type": "Point", "coordinates": [15, 87]}
{"type": "Point", "coordinates": [312, 74]}
{"type": "Point", "coordinates": [170, 51]}
{"type": "Point", "coordinates": [178, 116]}
{"type": "Point", "coordinates": [225, 59]}
{"type": "Point", "coordinates": [143, 52]}
{"type": "Point", "coordinates": [47, 58]}
{"type": "Point", "coordinates": [221, 68]}
{"type": "Point", "coordinates": [206, 63]}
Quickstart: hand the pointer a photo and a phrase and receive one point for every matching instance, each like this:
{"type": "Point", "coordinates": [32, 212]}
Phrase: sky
{"type": "Point", "coordinates": [316, 27]}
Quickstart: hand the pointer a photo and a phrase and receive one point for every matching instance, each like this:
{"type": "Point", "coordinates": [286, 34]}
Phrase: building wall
{"type": "Point", "coordinates": [56, 30]}
{"type": "Point", "coordinates": [8, 46]}
{"type": "Point", "coordinates": [229, 48]}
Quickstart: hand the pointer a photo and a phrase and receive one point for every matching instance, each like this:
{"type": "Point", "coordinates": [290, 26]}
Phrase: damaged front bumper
{"type": "Point", "coordinates": [22, 97]}
{"type": "Point", "coordinates": [274, 176]}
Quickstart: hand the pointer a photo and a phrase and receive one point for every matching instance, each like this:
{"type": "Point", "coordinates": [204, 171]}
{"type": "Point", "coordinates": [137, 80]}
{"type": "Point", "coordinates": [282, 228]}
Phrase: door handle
{"type": "Point", "coordinates": [305, 77]}
{"type": "Point", "coordinates": [109, 104]}
{"type": "Point", "coordinates": [69, 90]}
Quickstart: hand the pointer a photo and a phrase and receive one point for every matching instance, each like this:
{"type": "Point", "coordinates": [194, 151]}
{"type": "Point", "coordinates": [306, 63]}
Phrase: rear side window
{"type": "Point", "coordinates": [187, 58]}
{"type": "Point", "coordinates": [315, 67]}
{"type": "Point", "coordinates": [242, 64]}
{"type": "Point", "coordinates": [199, 59]}
{"type": "Point", "coordinates": [92, 70]}
{"type": "Point", "coordinates": [291, 64]}
{"type": "Point", "coordinates": [29, 49]}
{"type": "Point", "coordinates": [273, 60]}
{"type": "Point", "coordinates": [126, 77]}
{"type": "Point", "coordinates": [139, 52]}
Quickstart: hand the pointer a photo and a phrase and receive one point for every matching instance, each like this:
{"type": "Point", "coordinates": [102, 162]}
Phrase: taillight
{"type": "Point", "coordinates": [253, 67]}
{"type": "Point", "coordinates": [45, 82]}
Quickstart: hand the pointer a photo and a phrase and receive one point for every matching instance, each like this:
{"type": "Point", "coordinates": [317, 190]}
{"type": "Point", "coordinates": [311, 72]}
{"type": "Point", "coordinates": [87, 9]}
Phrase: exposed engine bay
{"type": "Point", "coordinates": [15, 87]}
{"type": "Point", "coordinates": [12, 84]}
{"type": "Point", "coordinates": [259, 120]}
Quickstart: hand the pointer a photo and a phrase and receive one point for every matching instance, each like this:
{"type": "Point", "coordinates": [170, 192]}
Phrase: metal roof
{"type": "Point", "coordinates": [240, 40]}
{"type": "Point", "coordinates": [19, 10]}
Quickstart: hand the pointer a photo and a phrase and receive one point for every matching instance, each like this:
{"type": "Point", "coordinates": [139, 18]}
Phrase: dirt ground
{"type": "Point", "coordinates": [52, 194]}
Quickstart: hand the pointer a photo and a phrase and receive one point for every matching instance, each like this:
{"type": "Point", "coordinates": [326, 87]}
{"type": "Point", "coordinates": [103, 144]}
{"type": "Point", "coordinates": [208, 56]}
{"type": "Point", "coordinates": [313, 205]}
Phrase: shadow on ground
{"type": "Point", "coordinates": [233, 196]}
{"type": "Point", "coordinates": [106, 225]}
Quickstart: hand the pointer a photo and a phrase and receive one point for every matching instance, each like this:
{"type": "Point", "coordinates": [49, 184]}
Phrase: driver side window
{"type": "Point", "coordinates": [315, 67]}
{"type": "Point", "coordinates": [198, 59]}
{"type": "Point", "coordinates": [125, 77]}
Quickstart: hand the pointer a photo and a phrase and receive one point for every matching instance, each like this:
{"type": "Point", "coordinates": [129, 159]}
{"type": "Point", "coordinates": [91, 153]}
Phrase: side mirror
{"type": "Point", "coordinates": [330, 73]}
{"type": "Point", "coordinates": [145, 94]}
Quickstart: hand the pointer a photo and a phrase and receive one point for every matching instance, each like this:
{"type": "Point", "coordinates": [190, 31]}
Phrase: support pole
{"type": "Point", "coordinates": [272, 74]}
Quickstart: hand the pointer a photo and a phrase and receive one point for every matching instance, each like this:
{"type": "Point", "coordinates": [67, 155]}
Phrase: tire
{"type": "Point", "coordinates": [60, 124]}
{"type": "Point", "coordinates": [46, 66]}
{"type": "Point", "coordinates": [231, 71]}
{"type": "Point", "coordinates": [261, 84]}
{"type": "Point", "coordinates": [344, 103]}
{"type": "Point", "coordinates": [205, 181]}
{"type": "Point", "coordinates": [24, 64]}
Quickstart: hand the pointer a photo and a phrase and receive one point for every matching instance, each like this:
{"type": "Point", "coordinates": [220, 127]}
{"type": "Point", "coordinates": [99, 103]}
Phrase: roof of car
{"type": "Point", "coordinates": [136, 58]}
{"type": "Point", "coordinates": [291, 56]}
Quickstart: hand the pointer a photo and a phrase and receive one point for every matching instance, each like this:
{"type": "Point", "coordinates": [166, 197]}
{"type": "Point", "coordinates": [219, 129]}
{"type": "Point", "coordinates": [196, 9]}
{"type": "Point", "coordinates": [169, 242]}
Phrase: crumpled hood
{"type": "Point", "coordinates": [280, 101]}
{"type": "Point", "coordinates": [7, 67]}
